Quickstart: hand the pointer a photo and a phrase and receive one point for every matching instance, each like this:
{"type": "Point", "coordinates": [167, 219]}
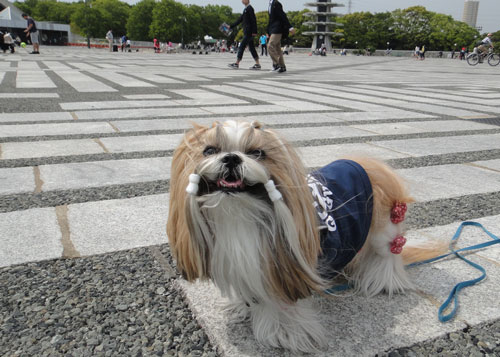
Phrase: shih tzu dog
{"type": "Point", "coordinates": [245, 214]}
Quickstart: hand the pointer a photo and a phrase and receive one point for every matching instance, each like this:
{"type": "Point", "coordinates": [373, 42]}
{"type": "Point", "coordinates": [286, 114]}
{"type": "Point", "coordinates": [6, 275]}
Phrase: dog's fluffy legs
{"type": "Point", "coordinates": [376, 269]}
{"type": "Point", "coordinates": [292, 326]}
{"type": "Point", "coordinates": [295, 327]}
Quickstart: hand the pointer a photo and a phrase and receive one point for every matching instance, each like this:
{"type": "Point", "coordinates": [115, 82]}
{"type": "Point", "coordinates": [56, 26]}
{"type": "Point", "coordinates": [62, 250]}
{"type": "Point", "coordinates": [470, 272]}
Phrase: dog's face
{"type": "Point", "coordinates": [234, 161]}
{"type": "Point", "coordinates": [229, 229]}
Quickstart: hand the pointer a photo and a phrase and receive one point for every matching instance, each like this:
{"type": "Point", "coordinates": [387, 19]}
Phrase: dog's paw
{"type": "Point", "coordinates": [293, 327]}
{"type": "Point", "coordinates": [237, 311]}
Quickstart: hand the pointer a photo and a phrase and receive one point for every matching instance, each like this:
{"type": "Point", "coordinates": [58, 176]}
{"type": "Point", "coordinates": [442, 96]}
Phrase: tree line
{"type": "Point", "coordinates": [169, 20]}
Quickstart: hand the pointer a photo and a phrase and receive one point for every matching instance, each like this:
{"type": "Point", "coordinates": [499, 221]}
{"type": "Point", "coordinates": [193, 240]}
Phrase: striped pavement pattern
{"type": "Point", "coordinates": [99, 150]}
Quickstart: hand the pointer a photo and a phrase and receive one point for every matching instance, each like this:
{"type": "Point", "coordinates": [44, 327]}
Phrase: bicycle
{"type": "Point", "coordinates": [474, 58]}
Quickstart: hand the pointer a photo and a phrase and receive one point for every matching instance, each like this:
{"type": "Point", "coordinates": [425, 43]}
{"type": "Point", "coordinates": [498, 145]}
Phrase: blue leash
{"type": "Point", "coordinates": [456, 289]}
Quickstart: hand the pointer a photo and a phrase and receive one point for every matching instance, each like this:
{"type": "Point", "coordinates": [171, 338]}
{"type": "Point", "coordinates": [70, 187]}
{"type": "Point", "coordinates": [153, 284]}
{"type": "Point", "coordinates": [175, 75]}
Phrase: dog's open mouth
{"type": "Point", "coordinates": [230, 184]}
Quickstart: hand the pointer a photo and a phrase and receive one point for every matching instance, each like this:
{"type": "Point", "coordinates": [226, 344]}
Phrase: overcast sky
{"type": "Point", "coordinates": [488, 16]}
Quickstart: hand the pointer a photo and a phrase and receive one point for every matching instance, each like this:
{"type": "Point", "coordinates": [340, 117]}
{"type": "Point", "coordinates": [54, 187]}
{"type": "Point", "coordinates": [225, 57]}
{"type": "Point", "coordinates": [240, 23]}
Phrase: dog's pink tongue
{"type": "Point", "coordinates": [229, 184]}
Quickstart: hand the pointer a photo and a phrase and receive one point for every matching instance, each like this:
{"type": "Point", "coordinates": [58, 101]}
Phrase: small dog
{"type": "Point", "coordinates": [244, 213]}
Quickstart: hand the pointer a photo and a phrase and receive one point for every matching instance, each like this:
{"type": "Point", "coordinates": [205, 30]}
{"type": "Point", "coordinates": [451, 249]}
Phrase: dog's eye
{"type": "Point", "coordinates": [257, 154]}
{"type": "Point", "coordinates": [210, 150]}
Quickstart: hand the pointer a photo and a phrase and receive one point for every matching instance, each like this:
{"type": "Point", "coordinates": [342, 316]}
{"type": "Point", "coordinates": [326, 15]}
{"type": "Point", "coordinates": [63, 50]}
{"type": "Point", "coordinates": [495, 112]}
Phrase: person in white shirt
{"type": "Point", "coordinates": [486, 43]}
{"type": "Point", "coordinates": [109, 37]}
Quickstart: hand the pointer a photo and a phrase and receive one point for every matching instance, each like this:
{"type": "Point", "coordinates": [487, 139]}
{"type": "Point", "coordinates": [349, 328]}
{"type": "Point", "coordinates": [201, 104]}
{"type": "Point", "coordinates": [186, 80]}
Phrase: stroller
{"type": "Point", "coordinates": [6, 42]}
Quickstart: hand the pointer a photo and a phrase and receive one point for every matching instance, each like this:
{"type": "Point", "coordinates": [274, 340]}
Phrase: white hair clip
{"type": "Point", "coordinates": [273, 193]}
{"type": "Point", "coordinates": [192, 188]}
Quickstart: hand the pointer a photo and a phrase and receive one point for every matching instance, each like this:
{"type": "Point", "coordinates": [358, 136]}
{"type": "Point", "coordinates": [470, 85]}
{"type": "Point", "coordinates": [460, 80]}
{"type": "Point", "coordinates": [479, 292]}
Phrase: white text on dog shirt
{"type": "Point", "coordinates": [322, 202]}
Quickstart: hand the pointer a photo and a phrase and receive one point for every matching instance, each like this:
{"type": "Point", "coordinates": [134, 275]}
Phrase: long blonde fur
{"type": "Point", "coordinates": [288, 279]}
{"type": "Point", "coordinates": [269, 267]}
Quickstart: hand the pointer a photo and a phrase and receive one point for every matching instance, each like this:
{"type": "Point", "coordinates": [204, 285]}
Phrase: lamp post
{"type": "Point", "coordinates": [182, 31]}
{"type": "Point", "coordinates": [88, 21]}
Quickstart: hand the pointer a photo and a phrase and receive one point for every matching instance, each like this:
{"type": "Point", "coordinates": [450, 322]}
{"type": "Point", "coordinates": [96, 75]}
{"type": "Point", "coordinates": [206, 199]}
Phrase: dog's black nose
{"type": "Point", "coordinates": [231, 160]}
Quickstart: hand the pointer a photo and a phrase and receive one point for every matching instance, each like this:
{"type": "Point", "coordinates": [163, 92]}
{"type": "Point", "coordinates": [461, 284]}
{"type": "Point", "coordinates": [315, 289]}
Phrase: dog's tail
{"type": "Point", "coordinates": [418, 252]}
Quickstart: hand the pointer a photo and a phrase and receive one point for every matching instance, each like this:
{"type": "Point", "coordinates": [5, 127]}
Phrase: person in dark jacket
{"type": "Point", "coordinates": [279, 27]}
{"type": "Point", "coordinates": [249, 31]}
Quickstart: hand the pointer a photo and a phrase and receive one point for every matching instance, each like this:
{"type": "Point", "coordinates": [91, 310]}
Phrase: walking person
{"type": "Point", "coordinates": [109, 37]}
{"type": "Point", "coordinates": [32, 31]}
{"type": "Point", "coordinates": [249, 31]}
{"type": "Point", "coordinates": [279, 27]}
{"type": "Point", "coordinates": [263, 44]}
{"type": "Point", "coordinates": [422, 53]}
{"type": "Point", "coordinates": [123, 42]}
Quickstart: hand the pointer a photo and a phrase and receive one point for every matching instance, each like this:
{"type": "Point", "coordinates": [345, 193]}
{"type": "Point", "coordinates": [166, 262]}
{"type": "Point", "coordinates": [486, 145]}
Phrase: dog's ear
{"type": "Point", "coordinates": [295, 276]}
{"type": "Point", "coordinates": [185, 251]}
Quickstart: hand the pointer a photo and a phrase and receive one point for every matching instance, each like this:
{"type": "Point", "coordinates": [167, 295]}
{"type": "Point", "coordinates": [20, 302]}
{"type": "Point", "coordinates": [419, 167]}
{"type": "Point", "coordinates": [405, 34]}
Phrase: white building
{"type": "Point", "coordinates": [470, 12]}
{"type": "Point", "coordinates": [50, 33]}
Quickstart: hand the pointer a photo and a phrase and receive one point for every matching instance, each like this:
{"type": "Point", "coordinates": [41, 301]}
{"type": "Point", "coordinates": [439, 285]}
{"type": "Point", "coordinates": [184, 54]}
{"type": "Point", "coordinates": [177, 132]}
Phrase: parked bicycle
{"type": "Point", "coordinates": [474, 58]}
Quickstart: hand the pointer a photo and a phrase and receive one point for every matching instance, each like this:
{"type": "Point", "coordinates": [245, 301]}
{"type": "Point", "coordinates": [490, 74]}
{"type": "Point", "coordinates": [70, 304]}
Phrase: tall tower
{"type": "Point", "coordinates": [470, 12]}
{"type": "Point", "coordinates": [321, 19]}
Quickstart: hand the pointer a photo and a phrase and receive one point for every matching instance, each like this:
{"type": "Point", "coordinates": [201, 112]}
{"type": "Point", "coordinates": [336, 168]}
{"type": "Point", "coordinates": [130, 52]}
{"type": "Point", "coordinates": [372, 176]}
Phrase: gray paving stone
{"type": "Point", "coordinates": [491, 164]}
{"type": "Point", "coordinates": [83, 83]}
{"type": "Point", "coordinates": [470, 236]}
{"type": "Point", "coordinates": [439, 280]}
{"type": "Point", "coordinates": [17, 180]}
{"type": "Point", "coordinates": [137, 113]}
{"type": "Point", "coordinates": [41, 243]}
{"type": "Point", "coordinates": [145, 96]}
{"type": "Point", "coordinates": [103, 173]}
{"type": "Point", "coordinates": [316, 156]}
{"type": "Point", "coordinates": [16, 150]}
{"type": "Point", "coordinates": [422, 127]}
{"type": "Point", "coordinates": [54, 129]}
{"type": "Point", "coordinates": [142, 143]}
{"type": "Point", "coordinates": [118, 224]}
{"type": "Point", "coordinates": [435, 182]}
{"type": "Point", "coordinates": [157, 124]}
{"type": "Point", "coordinates": [434, 146]}
{"type": "Point", "coordinates": [347, 328]}
{"type": "Point", "coordinates": [297, 134]}
{"type": "Point", "coordinates": [13, 117]}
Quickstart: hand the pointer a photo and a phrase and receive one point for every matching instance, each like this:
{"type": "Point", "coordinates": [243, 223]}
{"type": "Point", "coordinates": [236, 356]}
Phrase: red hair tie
{"type": "Point", "coordinates": [398, 212]}
{"type": "Point", "coordinates": [397, 245]}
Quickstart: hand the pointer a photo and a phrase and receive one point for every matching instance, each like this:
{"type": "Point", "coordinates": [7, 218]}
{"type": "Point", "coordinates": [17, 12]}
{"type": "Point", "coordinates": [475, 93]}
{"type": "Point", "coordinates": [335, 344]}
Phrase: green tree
{"type": "Point", "coordinates": [412, 26]}
{"type": "Point", "coordinates": [297, 19]}
{"type": "Point", "coordinates": [139, 20]}
{"type": "Point", "coordinates": [114, 15]}
{"type": "Point", "coordinates": [88, 21]}
{"type": "Point", "coordinates": [211, 16]}
{"type": "Point", "coordinates": [169, 21]}
{"type": "Point", "coordinates": [26, 6]}
{"type": "Point", "coordinates": [448, 34]}
{"type": "Point", "coordinates": [52, 10]}
{"type": "Point", "coordinates": [193, 29]}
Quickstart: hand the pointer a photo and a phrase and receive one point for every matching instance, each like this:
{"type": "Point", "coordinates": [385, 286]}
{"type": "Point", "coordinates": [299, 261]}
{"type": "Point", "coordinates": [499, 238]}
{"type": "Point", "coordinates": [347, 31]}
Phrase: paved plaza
{"type": "Point", "coordinates": [86, 143]}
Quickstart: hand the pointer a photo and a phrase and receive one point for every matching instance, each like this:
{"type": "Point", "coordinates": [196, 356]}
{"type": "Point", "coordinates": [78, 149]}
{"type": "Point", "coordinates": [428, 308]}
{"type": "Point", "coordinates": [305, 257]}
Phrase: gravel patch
{"type": "Point", "coordinates": [119, 304]}
{"type": "Point", "coordinates": [482, 340]}
{"type": "Point", "coordinates": [22, 201]}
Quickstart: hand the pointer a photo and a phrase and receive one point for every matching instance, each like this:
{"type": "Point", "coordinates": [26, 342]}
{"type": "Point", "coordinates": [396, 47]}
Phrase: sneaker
{"type": "Point", "coordinates": [256, 66]}
{"type": "Point", "coordinates": [282, 69]}
{"type": "Point", "coordinates": [34, 52]}
{"type": "Point", "coordinates": [275, 68]}
{"type": "Point", "coordinates": [233, 65]}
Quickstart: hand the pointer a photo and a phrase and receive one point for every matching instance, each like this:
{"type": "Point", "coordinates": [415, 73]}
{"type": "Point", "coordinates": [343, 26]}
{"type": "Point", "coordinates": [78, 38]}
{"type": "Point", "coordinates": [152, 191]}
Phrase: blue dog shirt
{"type": "Point", "coordinates": [343, 199]}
